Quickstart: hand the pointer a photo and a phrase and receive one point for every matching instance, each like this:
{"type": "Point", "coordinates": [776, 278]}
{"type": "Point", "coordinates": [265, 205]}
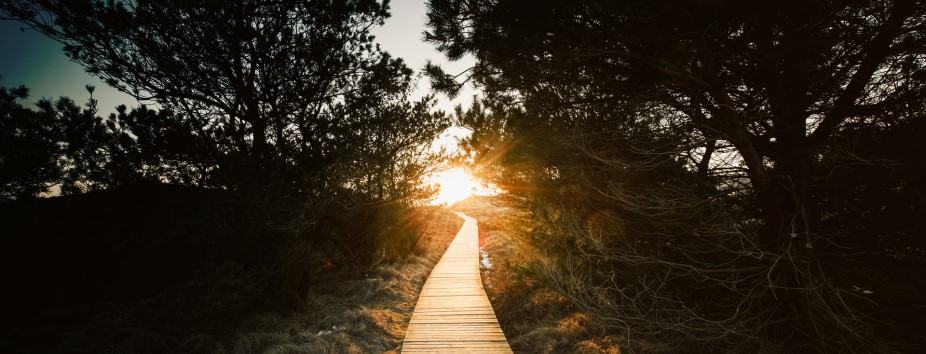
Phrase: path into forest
{"type": "Point", "coordinates": [453, 313]}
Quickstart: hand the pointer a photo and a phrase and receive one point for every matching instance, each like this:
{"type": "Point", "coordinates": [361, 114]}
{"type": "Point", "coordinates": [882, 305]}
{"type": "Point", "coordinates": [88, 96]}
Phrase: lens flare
{"type": "Point", "coordinates": [455, 185]}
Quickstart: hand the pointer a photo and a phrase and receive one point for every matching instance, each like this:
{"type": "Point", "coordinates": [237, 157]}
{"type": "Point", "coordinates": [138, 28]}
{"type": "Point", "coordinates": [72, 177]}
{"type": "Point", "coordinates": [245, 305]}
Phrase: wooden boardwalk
{"type": "Point", "coordinates": [453, 313]}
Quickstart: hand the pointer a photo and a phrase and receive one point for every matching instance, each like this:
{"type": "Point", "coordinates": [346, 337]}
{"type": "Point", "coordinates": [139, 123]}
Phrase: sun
{"type": "Point", "coordinates": [454, 185]}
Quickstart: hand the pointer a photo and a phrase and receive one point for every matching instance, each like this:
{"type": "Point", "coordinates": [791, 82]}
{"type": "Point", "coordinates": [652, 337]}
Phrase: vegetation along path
{"type": "Point", "coordinates": [453, 312]}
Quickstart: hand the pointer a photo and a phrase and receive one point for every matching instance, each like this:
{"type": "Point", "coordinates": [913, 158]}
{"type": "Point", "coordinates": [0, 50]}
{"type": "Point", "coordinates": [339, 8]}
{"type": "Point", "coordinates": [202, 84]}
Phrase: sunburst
{"type": "Point", "coordinates": [454, 185]}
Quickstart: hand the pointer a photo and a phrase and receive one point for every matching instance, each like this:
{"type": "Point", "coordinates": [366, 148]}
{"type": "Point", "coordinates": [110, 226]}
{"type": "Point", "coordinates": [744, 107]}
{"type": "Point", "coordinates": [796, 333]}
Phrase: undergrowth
{"type": "Point", "coordinates": [534, 317]}
{"type": "Point", "coordinates": [168, 269]}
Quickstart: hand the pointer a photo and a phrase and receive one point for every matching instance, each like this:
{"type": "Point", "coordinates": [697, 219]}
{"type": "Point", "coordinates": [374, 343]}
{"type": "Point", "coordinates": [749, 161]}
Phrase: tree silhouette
{"type": "Point", "coordinates": [28, 163]}
{"type": "Point", "coordinates": [278, 86]}
{"type": "Point", "coordinates": [289, 106]}
{"type": "Point", "coordinates": [769, 105]}
{"type": "Point", "coordinates": [774, 82]}
{"type": "Point", "coordinates": [72, 147]}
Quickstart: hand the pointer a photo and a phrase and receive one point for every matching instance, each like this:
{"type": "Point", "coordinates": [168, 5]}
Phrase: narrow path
{"type": "Point", "coordinates": [453, 313]}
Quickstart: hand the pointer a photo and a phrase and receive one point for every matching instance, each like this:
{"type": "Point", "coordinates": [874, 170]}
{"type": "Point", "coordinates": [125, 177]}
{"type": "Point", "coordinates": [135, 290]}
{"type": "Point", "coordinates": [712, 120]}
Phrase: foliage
{"type": "Point", "coordinates": [27, 159]}
{"type": "Point", "coordinates": [290, 91]}
{"type": "Point", "coordinates": [61, 144]}
{"type": "Point", "coordinates": [702, 173]}
{"type": "Point", "coordinates": [290, 104]}
{"type": "Point", "coordinates": [289, 107]}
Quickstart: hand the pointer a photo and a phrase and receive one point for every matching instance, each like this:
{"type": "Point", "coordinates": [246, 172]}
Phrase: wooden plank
{"type": "Point", "coordinates": [453, 313]}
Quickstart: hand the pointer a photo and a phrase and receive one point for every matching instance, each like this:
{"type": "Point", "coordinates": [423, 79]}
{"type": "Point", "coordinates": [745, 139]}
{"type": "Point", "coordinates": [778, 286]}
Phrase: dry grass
{"type": "Point", "coordinates": [345, 314]}
{"type": "Point", "coordinates": [346, 310]}
{"type": "Point", "coordinates": [535, 319]}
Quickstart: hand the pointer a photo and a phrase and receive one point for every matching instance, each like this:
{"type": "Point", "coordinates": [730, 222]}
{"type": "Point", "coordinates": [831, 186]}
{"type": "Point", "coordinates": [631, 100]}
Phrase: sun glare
{"type": "Point", "coordinates": [455, 185]}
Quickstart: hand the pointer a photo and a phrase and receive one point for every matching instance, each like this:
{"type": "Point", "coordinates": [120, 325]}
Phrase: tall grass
{"type": "Point", "coordinates": [237, 274]}
{"type": "Point", "coordinates": [347, 313]}
{"type": "Point", "coordinates": [533, 315]}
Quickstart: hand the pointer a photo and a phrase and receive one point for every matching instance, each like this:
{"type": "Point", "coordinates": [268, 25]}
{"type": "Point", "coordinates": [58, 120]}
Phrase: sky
{"type": "Point", "coordinates": [28, 58]}
{"type": "Point", "coordinates": [402, 36]}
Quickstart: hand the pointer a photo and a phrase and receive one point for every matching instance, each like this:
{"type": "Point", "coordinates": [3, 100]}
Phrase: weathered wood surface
{"type": "Point", "coordinates": [453, 313]}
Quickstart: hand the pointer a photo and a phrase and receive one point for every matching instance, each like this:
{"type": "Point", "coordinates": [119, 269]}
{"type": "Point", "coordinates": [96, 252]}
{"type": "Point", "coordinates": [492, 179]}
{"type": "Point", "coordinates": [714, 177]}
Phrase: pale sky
{"type": "Point", "coordinates": [28, 58]}
{"type": "Point", "coordinates": [402, 36]}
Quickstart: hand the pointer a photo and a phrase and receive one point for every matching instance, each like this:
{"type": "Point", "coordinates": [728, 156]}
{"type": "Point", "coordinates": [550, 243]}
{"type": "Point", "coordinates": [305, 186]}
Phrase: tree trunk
{"type": "Point", "coordinates": [259, 149]}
